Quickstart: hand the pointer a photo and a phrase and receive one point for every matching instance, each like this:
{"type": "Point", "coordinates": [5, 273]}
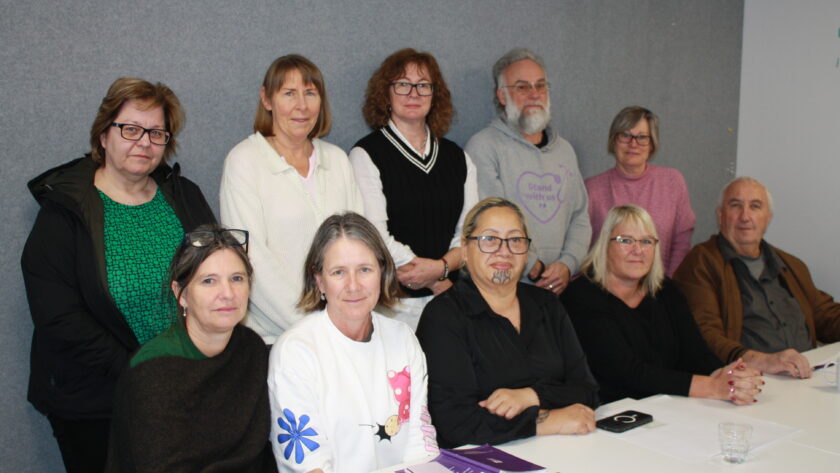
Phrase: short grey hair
{"type": "Point", "coordinates": [512, 56]}
{"type": "Point", "coordinates": [749, 180]}
{"type": "Point", "coordinates": [626, 119]}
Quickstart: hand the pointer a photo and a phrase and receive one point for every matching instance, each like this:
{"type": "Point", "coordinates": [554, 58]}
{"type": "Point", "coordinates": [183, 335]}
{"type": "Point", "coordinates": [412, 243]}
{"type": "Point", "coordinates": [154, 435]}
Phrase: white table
{"type": "Point", "coordinates": [808, 405]}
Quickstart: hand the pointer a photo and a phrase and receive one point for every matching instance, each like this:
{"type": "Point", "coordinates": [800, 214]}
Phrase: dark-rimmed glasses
{"type": "Point", "coordinates": [627, 242]}
{"type": "Point", "coordinates": [625, 138]}
{"type": "Point", "coordinates": [424, 89]}
{"type": "Point", "coordinates": [524, 87]}
{"type": "Point", "coordinates": [204, 238]}
{"type": "Point", "coordinates": [492, 244]}
{"type": "Point", "coordinates": [133, 132]}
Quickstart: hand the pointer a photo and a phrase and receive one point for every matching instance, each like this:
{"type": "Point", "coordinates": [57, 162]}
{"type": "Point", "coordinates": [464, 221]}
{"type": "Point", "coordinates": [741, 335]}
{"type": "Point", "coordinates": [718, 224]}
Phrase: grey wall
{"type": "Point", "coordinates": [789, 125]}
{"type": "Point", "coordinates": [681, 58]}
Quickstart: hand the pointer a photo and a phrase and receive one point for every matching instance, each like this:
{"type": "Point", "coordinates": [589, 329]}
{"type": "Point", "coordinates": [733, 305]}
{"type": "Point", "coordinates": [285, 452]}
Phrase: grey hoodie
{"type": "Point", "coordinates": [546, 184]}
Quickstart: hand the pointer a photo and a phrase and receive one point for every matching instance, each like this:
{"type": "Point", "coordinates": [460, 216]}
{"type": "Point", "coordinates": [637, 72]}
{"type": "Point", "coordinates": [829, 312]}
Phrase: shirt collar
{"type": "Point", "coordinates": [475, 306]}
{"type": "Point", "coordinates": [399, 134]}
{"type": "Point", "coordinates": [277, 166]}
{"type": "Point", "coordinates": [474, 303]}
{"type": "Point", "coordinates": [773, 263]}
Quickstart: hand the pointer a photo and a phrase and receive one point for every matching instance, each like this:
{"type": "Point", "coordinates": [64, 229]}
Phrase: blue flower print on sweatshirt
{"type": "Point", "coordinates": [297, 435]}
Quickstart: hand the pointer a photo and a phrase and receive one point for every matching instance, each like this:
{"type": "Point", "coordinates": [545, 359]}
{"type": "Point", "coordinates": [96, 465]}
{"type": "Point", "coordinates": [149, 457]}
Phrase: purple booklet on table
{"type": "Point", "coordinates": [484, 459]}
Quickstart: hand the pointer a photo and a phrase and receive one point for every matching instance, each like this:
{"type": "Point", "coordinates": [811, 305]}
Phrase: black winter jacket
{"type": "Point", "coordinates": [81, 342]}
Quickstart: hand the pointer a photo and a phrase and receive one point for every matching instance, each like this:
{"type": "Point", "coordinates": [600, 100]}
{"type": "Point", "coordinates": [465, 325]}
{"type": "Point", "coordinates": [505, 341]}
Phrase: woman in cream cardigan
{"type": "Point", "coordinates": [280, 183]}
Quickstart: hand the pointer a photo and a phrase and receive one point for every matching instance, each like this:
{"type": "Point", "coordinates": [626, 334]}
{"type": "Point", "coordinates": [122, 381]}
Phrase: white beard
{"type": "Point", "coordinates": [532, 122]}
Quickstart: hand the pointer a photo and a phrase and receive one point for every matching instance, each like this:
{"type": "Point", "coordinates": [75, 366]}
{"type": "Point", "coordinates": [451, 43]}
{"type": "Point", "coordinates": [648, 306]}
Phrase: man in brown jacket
{"type": "Point", "coordinates": [752, 300]}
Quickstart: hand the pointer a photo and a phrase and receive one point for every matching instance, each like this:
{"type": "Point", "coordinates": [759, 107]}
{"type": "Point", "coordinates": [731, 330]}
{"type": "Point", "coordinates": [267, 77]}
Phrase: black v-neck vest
{"type": "Point", "coordinates": [424, 194]}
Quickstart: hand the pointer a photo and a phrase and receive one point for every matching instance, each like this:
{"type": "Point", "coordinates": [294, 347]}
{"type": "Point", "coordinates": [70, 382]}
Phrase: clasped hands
{"type": "Point", "coordinates": [737, 383]}
{"type": "Point", "coordinates": [787, 361]}
{"type": "Point", "coordinates": [423, 272]}
{"type": "Point", "coordinates": [554, 277]}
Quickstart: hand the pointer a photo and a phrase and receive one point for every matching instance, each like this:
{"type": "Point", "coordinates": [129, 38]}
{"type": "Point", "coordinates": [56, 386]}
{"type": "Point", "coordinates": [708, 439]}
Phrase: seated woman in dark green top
{"type": "Point", "coordinates": [196, 395]}
{"type": "Point", "coordinates": [635, 326]}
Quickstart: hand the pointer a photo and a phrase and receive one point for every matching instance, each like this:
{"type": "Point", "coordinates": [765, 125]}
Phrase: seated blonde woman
{"type": "Point", "coordinates": [635, 326]}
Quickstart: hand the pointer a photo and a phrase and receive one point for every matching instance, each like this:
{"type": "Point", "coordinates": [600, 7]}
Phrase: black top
{"type": "Point", "coordinates": [472, 351]}
{"type": "Point", "coordinates": [424, 194]}
{"type": "Point", "coordinates": [81, 342]}
{"type": "Point", "coordinates": [652, 349]}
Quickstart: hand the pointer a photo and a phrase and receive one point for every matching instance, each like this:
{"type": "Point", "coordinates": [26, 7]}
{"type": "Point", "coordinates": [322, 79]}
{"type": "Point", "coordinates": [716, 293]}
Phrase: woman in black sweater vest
{"type": "Point", "coordinates": [415, 184]}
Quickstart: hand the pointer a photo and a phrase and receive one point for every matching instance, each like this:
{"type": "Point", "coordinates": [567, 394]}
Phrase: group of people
{"type": "Point", "coordinates": [534, 295]}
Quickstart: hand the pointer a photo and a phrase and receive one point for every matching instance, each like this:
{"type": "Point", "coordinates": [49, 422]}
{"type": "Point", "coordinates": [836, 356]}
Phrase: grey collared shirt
{"type": "Point", "coordinates": [773, 319]}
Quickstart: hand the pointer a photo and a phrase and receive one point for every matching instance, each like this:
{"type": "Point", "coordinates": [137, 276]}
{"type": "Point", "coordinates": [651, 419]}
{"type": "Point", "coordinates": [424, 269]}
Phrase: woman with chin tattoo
{"type": "Point", "coordinates": [503, 358]}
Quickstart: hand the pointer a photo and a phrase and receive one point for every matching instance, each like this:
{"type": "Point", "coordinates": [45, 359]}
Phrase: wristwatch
{"type": "Point", "coordinates": [445, 270]}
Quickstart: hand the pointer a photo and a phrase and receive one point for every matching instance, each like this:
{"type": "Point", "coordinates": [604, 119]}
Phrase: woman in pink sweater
{"type": "Point", "coordinates": [634, 138]}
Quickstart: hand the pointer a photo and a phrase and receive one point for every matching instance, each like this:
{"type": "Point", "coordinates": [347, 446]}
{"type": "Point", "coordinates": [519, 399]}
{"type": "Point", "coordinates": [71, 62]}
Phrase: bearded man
{"type": "Point", "coordinates": [519, 157]}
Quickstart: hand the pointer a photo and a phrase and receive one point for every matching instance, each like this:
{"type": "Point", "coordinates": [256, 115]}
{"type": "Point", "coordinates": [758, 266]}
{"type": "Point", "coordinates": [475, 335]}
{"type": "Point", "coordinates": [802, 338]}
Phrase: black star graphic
{"type": "Point", "coordinates": [382, 434]}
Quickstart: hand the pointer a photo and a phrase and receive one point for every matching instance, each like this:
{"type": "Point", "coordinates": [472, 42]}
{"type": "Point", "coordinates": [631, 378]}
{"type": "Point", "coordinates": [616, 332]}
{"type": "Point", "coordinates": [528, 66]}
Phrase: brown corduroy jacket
{"type": "Point", "coordinates": [711, 287]}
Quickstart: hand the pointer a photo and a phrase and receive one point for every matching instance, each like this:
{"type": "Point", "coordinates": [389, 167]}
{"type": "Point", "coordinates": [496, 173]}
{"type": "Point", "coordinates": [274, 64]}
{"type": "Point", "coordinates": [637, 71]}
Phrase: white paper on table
{"type": "Point", "coordinates": [688, 431]}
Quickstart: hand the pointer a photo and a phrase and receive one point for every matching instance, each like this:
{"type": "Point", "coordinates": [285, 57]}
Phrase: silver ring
{"type": "Point", "coordinates": [551, 286]}
{"type": "Point", "coordinates": [409, 286]}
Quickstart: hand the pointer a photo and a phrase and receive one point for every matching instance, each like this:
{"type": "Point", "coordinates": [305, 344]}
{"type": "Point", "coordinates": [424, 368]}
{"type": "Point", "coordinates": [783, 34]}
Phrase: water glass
{"type": "Point", "coordinates": [831, 374]}
{"type": "Point", "coordinates": [734, 441]}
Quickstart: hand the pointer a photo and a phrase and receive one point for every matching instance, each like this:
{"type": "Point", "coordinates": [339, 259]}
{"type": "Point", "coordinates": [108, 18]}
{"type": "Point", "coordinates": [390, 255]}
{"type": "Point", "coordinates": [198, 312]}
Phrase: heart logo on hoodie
{"type": "Point", "coordinates": [540, 194]}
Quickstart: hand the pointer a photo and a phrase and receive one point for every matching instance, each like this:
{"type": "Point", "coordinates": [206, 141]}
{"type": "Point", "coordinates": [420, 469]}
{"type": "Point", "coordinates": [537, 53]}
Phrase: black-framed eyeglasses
{"type": "Point", "coordinates": [134, 132]}
{"type": "Point", "coordinates": [625, 138]}
{"type": "Point", "coordinates": [627, 242]}
{"type": "Point", "coordinates": [492, 244]}
{"type": "Point", "coordinates": [524, 87]}
{"type": "Point", "coordinates": [424, 89]}
{"type": "Point", "coordinates": [229, 236]}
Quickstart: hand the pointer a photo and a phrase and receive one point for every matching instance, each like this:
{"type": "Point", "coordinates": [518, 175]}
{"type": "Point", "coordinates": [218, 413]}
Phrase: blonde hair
{"type": "Point", "coordinates": [595, 263]}
{"type": "Point", "coordinates": [471, 219]}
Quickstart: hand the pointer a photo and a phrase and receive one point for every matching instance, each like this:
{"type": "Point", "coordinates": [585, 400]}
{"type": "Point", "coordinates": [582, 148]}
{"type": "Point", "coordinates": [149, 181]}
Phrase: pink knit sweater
{"type": "Point", "coordinates": [659, 190]}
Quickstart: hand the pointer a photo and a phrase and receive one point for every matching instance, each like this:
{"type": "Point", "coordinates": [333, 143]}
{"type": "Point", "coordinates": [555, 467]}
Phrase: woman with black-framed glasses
{"type": "Point", "coordinates": [662, 191]}
{"type": "Point", "coordinates": [205, 374]}
{"type": "Point", "coordinates": [503, 358]}
{"type": "Point", "coordinates": [416, 184]}
{"type": "Point", "coordinates": [95, 262]}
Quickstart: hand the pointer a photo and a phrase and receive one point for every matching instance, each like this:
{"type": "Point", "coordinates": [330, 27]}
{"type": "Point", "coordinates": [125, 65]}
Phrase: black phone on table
{"type": "Point", "coordinates": [624, 421]}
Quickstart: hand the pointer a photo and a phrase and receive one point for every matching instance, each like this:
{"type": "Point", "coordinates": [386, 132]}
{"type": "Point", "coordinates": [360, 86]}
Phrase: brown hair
{"type": "Point", "coordinates": [149, 96]}
{"type": "Point", "coordinates": [353, 226]}
{"type": "Point", "coordinates": [377, 108]}
{"type": "Point", "coordinates": [273, 81]}
{"type": "Point", "coordinates": [188, 258]}
{"type": "Point", "coordinates": [626, 119]}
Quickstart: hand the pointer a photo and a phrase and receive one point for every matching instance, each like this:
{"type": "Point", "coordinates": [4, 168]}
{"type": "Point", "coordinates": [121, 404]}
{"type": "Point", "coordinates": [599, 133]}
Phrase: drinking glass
{"type": "Point", "coordinates": [734, 441]}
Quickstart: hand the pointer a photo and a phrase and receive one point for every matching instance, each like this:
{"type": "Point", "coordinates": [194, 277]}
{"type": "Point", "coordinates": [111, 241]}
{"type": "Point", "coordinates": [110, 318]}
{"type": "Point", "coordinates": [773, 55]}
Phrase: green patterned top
{"type": "Point", "coordinates": [140, 241]}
